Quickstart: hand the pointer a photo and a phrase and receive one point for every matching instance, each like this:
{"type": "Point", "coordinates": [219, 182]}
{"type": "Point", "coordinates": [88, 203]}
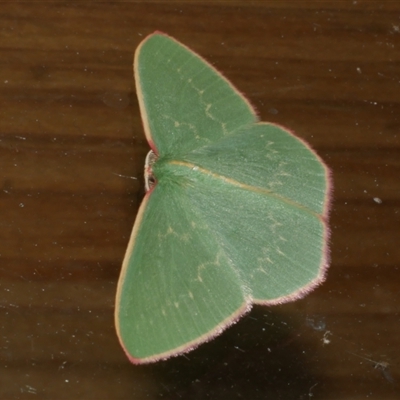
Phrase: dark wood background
{"type": "Point", "coordinates": [70, 126]}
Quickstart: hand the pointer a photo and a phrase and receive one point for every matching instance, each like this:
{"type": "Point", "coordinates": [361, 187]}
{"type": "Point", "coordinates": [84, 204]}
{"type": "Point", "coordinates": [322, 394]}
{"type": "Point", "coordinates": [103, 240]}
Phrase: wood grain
{"type": "Point", "coordinates": [71, 139]}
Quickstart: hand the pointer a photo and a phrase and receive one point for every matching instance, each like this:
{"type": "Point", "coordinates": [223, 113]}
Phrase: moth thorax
{"type": "Point", "coordinates": [149, 179]}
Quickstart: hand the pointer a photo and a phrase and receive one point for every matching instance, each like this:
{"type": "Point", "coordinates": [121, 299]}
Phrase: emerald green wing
{"type": "Point", "coordinates": [268, 157]}
{"type": "Point", "coordinates": [184, 102]}
{"type": "Point", "coordinates": [177, 288]}
{"type": "Point", "coordinates": [277, 243]}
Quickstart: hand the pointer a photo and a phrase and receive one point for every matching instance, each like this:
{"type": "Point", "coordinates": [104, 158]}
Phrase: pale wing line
{"type": "Point", "coordinates": [248, 187]}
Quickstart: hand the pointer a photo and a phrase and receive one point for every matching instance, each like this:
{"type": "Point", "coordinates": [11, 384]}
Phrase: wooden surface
{"type": "Point", "coordinates": [70, 126]}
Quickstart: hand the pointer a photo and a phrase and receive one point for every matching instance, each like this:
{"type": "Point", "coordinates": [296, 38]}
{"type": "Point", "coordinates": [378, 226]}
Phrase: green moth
{"type": "Point", "coordinates": [235, 211]}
